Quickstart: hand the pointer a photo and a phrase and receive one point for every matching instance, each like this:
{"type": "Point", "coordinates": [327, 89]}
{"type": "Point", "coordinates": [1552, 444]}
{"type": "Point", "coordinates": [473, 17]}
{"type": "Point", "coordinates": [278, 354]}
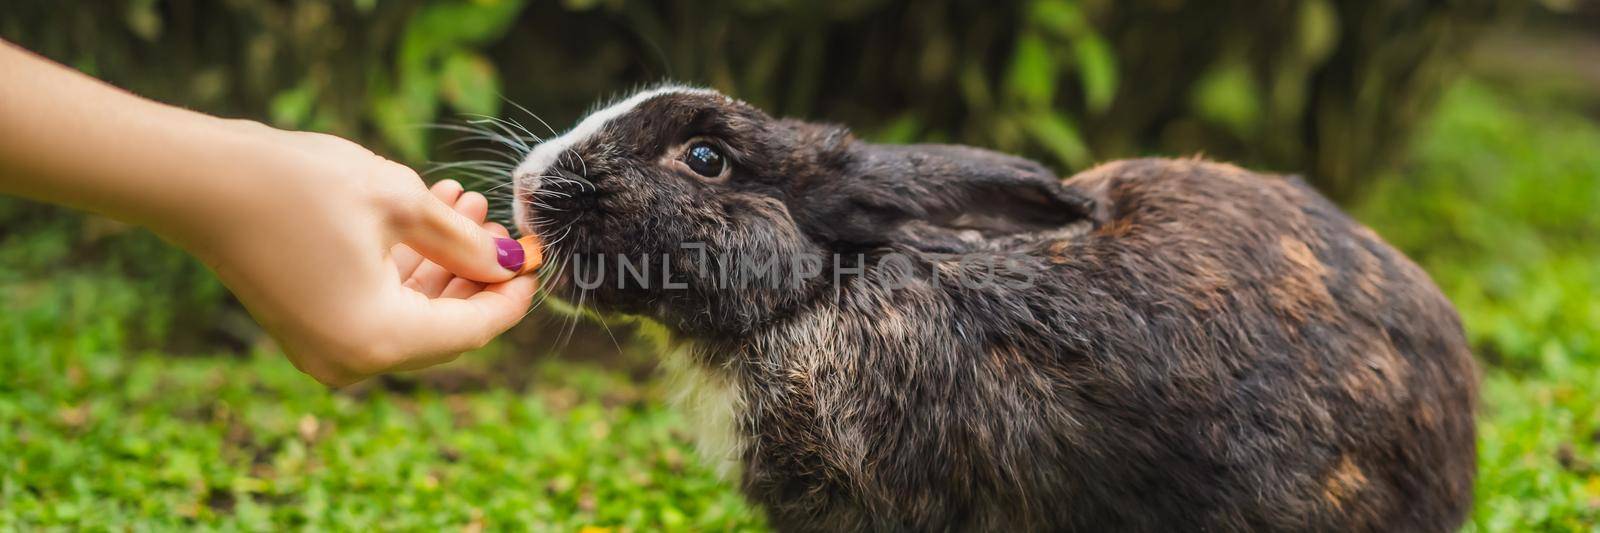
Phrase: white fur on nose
{"type": "Point", "coordinates": [531, 171]}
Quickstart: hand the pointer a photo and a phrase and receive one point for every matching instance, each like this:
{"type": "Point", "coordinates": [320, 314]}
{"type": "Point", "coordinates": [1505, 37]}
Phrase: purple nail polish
{"type": "Point", "coordinates": [510, 254]}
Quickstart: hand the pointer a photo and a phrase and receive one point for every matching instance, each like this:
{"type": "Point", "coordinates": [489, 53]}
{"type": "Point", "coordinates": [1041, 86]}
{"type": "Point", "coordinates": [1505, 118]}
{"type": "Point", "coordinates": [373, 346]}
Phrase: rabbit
{"type": "Point", "coordinates": [1149, 345]}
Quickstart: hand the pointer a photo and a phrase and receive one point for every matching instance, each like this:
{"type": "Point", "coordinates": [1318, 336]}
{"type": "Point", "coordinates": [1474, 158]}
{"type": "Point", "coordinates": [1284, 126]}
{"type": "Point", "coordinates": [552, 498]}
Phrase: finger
{"type": "Point", "coordinates": [448, 191]}
{"type": "Point", "coordinates": [405, 259]}
{"type": "Point", "coordinates": [473, 205]}
{"type": "Point", "coordinates": [497, 229]}
{"type": "Point", "coordinates": [463, 287]}
{"type": "Point", "coordinates": [447, 327]}
{"type": "Point", "coordinates": [430, 279]}
{"type": "Point", "coordinates": [456, 242]}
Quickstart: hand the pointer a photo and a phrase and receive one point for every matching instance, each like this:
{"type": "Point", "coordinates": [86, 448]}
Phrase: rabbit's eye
{"type": "Point", "coordinates": [704, 159]}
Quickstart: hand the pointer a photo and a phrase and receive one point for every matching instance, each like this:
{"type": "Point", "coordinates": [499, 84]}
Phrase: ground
{"type": "Point", "coordinates": [1497, 201]}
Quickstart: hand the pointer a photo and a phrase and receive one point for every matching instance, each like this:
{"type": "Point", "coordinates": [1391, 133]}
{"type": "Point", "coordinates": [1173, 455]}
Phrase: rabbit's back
{"type": "Point", "coordinates": [1222, 350]}
{"type": "Point", "coordinates": [1292, 364]}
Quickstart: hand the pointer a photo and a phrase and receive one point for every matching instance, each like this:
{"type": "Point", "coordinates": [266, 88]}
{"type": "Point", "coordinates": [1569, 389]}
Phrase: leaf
{"type": "Point", "coordinates": [974, 85]}
{"type": "Point", "coordinates": [902, 129]}
{"type": "Point", "coordinates": [430, 56]}
{"type": "Point", "coordinates": [1227, 95]}
{"type": "Point", "coordinates": [292, 107]}
{"type": "Point", "coordinates": [1056, 133]}
{"type": "Point", "coordinates": [1033, 71]}
{"type": "Point", "coordinates": [399, 123]}
{"type": "Point", "coordinates": [1096, 62]}
{"type": "Point", "coordinates": [579, 5]}
{"type": "Point", "coordinates": [144, 20]}
{"type": "Point", "coordinates": [1062, 17]}
{"type": "Point", "coordinates": [1319, 30]}
{"type": "Point", "coordinates": [439, 28]}
{"type": "Point", "coordinates": [469, 83]}
{"type": "Point", "coordinates": [1097, 68]}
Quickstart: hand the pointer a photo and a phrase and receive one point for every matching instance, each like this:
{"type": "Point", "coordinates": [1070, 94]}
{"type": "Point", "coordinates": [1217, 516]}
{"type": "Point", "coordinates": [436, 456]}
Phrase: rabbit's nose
{"type": "Point", "coordinates": [526, 182]}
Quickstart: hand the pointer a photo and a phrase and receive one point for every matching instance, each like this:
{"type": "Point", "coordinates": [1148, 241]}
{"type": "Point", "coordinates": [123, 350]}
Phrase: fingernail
{"type": "Point", "coordinates": [509, 253]}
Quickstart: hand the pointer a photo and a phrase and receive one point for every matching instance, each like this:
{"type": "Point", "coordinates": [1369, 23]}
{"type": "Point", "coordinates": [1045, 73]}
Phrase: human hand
{"type": "Point", "coordinates": [323, 241]}
{"type": "Point", "coordinates": [349, 261]}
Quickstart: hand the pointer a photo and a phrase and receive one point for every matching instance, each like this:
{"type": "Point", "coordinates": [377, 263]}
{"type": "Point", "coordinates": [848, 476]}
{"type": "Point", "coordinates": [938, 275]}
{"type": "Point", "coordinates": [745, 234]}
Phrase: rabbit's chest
{"type": "Point", "coordinates": [711, 403]}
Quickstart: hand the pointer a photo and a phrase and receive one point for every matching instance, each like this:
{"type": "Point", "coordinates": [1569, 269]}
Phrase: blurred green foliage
{"type": "Point", "coordinates": [1500, 206]}
{"type": "Point", "coordinates": [95, 438]}
{"type": "Point", "coordinates": [1537, 452]}
{"type": "Point", "coordinates": [94, 274]}
{"type": "Point", "coordinates": [1328, 89]}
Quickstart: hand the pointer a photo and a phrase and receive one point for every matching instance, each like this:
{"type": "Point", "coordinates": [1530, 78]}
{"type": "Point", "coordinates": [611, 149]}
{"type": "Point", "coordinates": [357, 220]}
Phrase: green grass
{"type": "Point", "coordinates": [97, 431]}
{"type": "Point", "coordinates": [101, 439]}
{"type": "Point", "coordinates": [97, 435]}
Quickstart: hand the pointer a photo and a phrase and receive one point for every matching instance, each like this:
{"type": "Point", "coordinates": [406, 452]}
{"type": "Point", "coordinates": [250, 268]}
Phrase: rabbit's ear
{"type": "Point", "coordinates": [949, 186]}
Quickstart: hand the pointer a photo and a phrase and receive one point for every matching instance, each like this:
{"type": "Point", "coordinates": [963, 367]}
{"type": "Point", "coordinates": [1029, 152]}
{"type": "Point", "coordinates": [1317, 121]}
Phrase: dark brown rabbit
{"type": "Point", "coordinates": [954, 339]}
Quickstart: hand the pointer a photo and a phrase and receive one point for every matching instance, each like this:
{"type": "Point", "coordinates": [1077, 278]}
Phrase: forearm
{"type": "Point", "coordinates": [69, 139]}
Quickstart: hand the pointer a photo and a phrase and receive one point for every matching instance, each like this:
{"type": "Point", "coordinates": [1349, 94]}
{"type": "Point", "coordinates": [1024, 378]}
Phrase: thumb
{"type": "Point", "coordinates": [458, 243]}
